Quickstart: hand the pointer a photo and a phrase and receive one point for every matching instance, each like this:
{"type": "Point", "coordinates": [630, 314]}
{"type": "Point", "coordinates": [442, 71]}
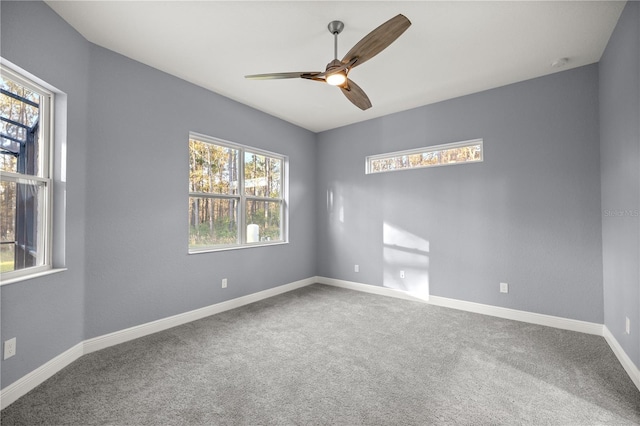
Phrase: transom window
{"type": "Point", "coordinates": [237, 195]}
{"type": "Point", "coordinates": [431, 156]}
{"type": "Point", "coordinates": [25, 182]}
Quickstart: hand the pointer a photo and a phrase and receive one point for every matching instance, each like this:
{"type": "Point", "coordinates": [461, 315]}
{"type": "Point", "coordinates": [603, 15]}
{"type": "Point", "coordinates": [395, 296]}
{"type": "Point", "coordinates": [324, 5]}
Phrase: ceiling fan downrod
{"type": "Point", "coordinates": [335, 28]}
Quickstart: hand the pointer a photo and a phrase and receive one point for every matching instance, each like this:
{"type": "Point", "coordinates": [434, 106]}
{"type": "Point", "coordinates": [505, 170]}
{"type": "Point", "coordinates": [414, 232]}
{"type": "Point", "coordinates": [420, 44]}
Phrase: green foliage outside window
{"type": "Point", "coordinates": [224, 199]}
{"type": "Point", "coordinates": [440, 155]}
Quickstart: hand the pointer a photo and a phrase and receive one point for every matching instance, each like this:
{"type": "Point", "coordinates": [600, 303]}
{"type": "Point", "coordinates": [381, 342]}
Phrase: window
{"type": "Point", "coordinates": [237, 195]}
{"type": "Point", "coordinates": [438, 155]}
{"type": "Point", "coordinates": [25, 180]}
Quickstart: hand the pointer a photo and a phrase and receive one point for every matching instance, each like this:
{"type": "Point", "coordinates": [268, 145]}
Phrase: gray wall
{"type": "Point", "coordinates": [529, 215]}
{"type": "Point", "coordinates": [127, 223]}
{"type": "Point", "coordinates": [46, 314]}
{"type": "Point", "coordinates": [620, 168]}
{"type": "Point", "coordinates": [138, 266]}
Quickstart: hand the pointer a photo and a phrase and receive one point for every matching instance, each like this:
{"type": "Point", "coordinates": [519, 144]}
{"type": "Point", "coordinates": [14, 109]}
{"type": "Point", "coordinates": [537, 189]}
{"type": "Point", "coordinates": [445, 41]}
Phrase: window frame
{"type": "Point", "coordinates": [44, 176]}
{"type": "Point", "coordinates": [425, 150]}
{"type": "Point", "coordinates": [242, 197]}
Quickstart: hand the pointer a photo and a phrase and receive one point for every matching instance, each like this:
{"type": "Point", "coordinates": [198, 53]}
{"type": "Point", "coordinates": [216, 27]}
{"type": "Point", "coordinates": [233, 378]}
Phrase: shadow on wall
{"type": "Point", "coordinates": [406, 261]}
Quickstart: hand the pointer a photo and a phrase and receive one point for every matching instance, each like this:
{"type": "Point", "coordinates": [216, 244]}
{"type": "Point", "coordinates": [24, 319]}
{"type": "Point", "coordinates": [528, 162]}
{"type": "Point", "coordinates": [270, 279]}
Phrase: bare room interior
{"type": "Point", "coordinates": [197, 228]}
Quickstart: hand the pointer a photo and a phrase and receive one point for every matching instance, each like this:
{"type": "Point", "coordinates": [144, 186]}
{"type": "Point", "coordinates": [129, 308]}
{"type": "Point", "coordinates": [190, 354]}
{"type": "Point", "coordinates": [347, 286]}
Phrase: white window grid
{"type": "Point", "coordinates": [241, 198]}
{"type": "Point", "coordinates": [421, 151]}
{"type": "Point", "coordinates": [42, 179]}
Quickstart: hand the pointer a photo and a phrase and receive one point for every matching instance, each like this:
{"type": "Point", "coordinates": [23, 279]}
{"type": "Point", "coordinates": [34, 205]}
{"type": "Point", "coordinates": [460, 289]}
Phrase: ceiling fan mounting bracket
{"type": "Point", "coordinates": [335, 27]}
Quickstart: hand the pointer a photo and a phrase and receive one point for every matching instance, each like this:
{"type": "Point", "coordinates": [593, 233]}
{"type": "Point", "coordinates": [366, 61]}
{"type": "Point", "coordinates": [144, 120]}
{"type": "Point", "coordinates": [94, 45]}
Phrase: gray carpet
{"type": "Point", "coordinates": [323, 355]}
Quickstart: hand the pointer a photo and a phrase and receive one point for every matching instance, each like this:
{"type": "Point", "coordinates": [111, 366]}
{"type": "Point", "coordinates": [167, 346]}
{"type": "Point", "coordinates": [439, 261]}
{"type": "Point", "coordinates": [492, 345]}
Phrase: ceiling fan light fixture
{"type": "Point", "coordinates": [337, 79]}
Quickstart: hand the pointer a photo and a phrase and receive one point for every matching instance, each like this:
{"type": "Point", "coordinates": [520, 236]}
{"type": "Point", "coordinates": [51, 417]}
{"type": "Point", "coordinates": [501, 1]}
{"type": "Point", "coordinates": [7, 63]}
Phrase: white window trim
{"type": "Point", "coordinates": [241, 197]}
{"type": "Point", "coordinates": [45, 172]}
{"type": "Point", "coordinates": [369, 159]}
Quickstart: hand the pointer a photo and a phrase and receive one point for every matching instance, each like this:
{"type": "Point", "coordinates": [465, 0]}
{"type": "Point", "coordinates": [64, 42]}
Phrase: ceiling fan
{"type": "Point", "coordinates": [337, 71]}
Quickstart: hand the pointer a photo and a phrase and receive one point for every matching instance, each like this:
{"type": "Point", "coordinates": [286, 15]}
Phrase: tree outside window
{"type": "Point", "coordinates": [236, 195]}
{"type": "Point", "coordinates": [25, 185]}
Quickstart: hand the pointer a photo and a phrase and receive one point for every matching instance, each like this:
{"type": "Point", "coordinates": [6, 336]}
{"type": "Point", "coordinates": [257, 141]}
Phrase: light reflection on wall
{"type": "Point", "coordinates": [404, 251]}
{"type": "Point", "coordinates": [331, 205]}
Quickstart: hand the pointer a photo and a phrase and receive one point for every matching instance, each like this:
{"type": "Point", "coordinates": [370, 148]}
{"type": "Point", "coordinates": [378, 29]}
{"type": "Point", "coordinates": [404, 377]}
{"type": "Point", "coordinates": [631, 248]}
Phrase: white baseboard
{"type": "Point", "coordinates": [121, 336]}
{"type": "Point", "coordinates": [512, 314]}
{"type": "Point", "coordinates": [622, 356]}
{"type": "Point", "coordinates": [516, 315]}
{"type": "Point", "coordinates": [28, 382]}
{"type": "Point", "coordinates": [373, 289]}
{"type": "Point", "coordinates": [479, 308]}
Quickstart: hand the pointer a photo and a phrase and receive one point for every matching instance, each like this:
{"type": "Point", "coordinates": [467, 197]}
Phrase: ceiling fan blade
{"type": "Point", "coordinates": [377, 40]}
{"type": "Point", "coordinates": [282, 75]}
{"type": "Point", "coordinates": [356, 95]}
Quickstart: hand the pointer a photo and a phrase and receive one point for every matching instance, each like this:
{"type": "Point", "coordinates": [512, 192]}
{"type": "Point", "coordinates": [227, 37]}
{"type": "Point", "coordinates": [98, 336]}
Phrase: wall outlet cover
{"type": "Point", "coordinates": [9, 348]}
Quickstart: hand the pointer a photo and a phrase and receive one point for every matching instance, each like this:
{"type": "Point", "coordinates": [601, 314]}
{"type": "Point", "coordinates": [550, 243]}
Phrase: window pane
{"type": "Point", "coordinates": [440, 155]}
{"type": "Point", "coordinates": [262, 175]}
{"type": "Point", "coordinates": [8, 161]}
{"type": "Point", "coordinates": [267, 216]}
{"type": "Point", "coordinates": [19, 128]}
{"type": "Point", "coordinates": [7, 225]}
{"type": "Point", "coordinates": [7, 258]}
{"type": "Point", "coordinates": [212, 221]}
{"type": "Point", "coordinates": [228, 187]}
{"type": "Point", "coordinates": [212, 168]}
{"type": "Point", "coordinates": [21, 211]}
{"type": "Point", "coordinates": [461, 154]}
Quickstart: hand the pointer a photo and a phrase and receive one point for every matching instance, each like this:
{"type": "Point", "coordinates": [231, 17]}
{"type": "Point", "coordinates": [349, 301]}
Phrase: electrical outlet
{"type": "Point", "coordinates": [224, 283]}
{"type": "Point", "coordinates": [504, 288]}
{"type": "Point", "coordinates": [356, 268]}
{"type": "Point", "coordinates": [627, 325]}
{"type": "Point", "coordinates": [401, 274]}
{"type": "Point", "coordinates": [9, 348]}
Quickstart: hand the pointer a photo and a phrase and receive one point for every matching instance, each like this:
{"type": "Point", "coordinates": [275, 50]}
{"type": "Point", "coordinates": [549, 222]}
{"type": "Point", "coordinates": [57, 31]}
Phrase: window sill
{"type": "Point", "coordinates": [246, 246]}
{"type": "Point", "coordinates": [31, 276]}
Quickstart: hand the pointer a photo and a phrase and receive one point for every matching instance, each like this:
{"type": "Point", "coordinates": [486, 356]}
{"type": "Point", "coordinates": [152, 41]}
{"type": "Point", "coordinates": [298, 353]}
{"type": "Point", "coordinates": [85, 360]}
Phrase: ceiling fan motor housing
{"type": "Point", "coordinates": [333, 64]}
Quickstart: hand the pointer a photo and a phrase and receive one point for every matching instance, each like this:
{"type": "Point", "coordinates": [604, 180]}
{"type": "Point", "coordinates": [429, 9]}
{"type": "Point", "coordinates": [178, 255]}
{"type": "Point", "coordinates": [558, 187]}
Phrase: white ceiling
{"type": "Point", "coordinates": [453, 48]}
